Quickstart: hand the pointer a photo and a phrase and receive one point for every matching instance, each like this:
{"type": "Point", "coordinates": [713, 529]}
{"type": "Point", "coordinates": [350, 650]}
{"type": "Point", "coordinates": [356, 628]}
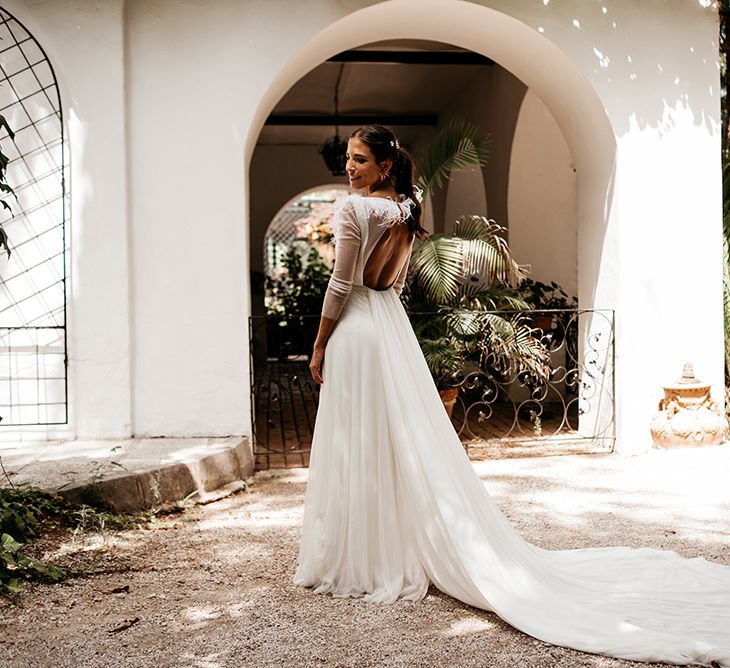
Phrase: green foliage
{"type": "Point", "coordinates": [455, 147]}
{"type": "Point", "coordinates": [460, 280]}
{"type": "Point", "coordinates": [443, 358]}
{"type": "Point", "coordinates": [458, 265]}
{"type": "Point", "coordinates": [27, 512]}
{"type": "Point", "coordinates": [543, 296]}
{"type": "Point", "coordinates": [16, 566]}
{"type": "Point", "coordinates": [23, 511]}
{"type": "Point", "coordinates": [437, 266]}
{"type": "Point", "coordinates": [561, 323]}
{"type": "Point", "coordinates": [300, 289]}
{"type": "Point", "coordinates": [4, 187]}
{"type": "Point", "coordinates": [297, 294]}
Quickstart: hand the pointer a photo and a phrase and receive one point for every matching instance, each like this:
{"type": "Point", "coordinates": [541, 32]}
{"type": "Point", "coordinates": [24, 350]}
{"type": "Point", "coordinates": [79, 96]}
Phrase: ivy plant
{"type": "Point", "coordinates": [5, 188]}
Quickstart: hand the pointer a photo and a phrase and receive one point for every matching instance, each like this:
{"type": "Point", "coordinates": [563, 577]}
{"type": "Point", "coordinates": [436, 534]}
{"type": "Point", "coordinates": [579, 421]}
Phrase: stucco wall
{"type": "Point", "coordinates": [542, 198]}
{"type": "Point", "coordinates": [159, 266]}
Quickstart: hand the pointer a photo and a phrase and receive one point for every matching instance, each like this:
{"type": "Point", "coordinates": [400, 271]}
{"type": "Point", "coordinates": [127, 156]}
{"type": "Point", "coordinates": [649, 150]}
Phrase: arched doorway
{"type": "Point", "coordinates": [297, 258]}
{"type": "Point", "coordinates": [565, 92]}
{"type": "Point", "coordinates": [530, 56]}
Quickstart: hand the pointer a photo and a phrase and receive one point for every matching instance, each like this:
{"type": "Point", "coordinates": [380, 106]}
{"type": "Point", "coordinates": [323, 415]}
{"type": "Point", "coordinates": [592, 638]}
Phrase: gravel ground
{"type": "Point", "coordinates": [212, 588]}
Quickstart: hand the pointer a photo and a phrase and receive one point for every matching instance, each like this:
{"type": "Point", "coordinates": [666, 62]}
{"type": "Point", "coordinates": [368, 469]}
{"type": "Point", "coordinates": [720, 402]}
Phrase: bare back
{"type": "Point", "coordinates": [387, 258]}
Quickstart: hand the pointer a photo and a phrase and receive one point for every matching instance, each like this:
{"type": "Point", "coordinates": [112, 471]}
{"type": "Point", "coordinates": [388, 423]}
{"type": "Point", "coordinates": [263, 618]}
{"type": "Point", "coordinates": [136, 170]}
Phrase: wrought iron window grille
{"type": "Point", "coordinates": [33, 342]}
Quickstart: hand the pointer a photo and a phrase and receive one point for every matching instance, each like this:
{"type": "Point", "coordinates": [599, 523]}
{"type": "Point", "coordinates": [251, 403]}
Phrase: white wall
{"type": "Point", "coordinates": [465, 196]}
{"type": "Point", "coordinates": [189, 71]}
{"type": "Point", "coordinates": [542, 198]}
{"type": "Point", "coordinates": [170, 236]}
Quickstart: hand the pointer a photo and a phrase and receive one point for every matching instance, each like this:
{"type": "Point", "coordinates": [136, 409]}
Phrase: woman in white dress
{"type": "Point", "coordinates": [393, 502]}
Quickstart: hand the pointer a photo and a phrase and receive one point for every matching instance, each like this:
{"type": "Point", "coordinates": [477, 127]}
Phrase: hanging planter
{"type": "Point", "coordinates": [334, 154]}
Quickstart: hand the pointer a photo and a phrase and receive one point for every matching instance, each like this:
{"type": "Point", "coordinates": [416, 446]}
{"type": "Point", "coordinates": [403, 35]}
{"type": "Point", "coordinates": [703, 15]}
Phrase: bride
{"type": "Point", "coordinates": [393, 502]}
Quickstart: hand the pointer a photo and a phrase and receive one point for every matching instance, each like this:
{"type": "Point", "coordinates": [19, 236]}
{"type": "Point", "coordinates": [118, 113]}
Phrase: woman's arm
{"type": "Point", "coordinates": [347, 238]}
{"type": "Point", "coordinates": [326, 325]}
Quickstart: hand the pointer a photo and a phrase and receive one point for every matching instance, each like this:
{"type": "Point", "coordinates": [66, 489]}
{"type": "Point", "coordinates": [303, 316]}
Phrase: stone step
{"type": "Point", "coordinates": [132, 474]}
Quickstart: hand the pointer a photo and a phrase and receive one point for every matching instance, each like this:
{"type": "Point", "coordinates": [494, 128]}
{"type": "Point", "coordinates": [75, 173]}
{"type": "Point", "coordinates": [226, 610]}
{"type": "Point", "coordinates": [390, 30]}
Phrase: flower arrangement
{"type": "Point", "coordinates": [316, 228]}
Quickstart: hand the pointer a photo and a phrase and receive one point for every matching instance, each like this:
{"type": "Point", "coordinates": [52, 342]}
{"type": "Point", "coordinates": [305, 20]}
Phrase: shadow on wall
{"type": "Point", "coordinates": [646, 86]}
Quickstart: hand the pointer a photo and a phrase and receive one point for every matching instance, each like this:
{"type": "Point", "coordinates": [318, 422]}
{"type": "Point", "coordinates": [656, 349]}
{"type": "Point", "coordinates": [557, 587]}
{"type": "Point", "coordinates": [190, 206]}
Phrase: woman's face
{"type": "Point", "coordinates": [362, 168]}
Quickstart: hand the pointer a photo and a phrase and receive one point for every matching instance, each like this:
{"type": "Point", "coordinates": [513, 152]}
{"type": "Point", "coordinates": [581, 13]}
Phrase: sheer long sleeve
{"type": "Point", "coordinates": [347, 239]}
{"type": "Point", "coordinates": [401, 280]}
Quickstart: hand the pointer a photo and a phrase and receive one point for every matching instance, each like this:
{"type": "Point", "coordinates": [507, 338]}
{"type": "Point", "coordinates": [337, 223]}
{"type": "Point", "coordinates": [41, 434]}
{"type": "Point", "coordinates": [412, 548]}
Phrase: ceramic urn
{"type": "Point", "coordinates": [687, 415]}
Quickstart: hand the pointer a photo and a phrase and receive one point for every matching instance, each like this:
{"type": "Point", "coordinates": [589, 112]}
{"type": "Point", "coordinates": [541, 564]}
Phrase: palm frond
{"type": "Point", "coordinates": [442, 357]}
{"type": "Point", "coordinates": [461, 322]}
{"type": "Point", "coordinates": [475, 295]}
{"type": "Point", "coordinates": [460, 144]}
{"type": "Point", "coordinates": [479, 227]}
{"type": "Point", "coordinates": [505, 343]}
{"type": "Point", "coordinates": [518, 349]}
{"type": "Point", "coordinates": [437, 265]}
{"type": "Point", "coordinates": [486, 253]}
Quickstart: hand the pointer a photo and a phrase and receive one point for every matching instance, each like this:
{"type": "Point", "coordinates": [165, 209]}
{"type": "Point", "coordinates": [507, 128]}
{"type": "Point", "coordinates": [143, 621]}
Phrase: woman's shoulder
{"type": "Point", "coordinates": [346, 203]}
{"type": "Point", "coordinates": [382, 210]}
{"type": "Point", "coordinates": [353, 202]}
{"type": "Point", "coordinates": [386, 211]}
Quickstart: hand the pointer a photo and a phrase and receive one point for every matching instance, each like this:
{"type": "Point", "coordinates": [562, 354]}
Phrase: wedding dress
{"type": "Point", "coordinates": [393, 503]}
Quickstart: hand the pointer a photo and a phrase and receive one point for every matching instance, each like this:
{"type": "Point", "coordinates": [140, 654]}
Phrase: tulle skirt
{"type": "Point", "coordinates": [393, 503]}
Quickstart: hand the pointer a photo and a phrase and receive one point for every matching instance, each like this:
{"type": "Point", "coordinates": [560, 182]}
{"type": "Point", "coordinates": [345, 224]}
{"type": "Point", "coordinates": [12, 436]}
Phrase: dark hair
{"type": "Point", "coordinates": [384, 145]}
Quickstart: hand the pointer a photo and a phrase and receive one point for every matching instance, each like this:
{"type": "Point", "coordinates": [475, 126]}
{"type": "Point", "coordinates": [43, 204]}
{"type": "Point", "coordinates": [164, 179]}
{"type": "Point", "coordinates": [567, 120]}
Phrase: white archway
{"type": "Point", "coordinates": [530, 56]}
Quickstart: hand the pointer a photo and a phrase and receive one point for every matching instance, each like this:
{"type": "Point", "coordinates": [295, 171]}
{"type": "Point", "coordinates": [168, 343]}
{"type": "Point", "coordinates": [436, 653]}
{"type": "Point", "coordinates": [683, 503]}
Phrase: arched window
{"type": "Point", "coordinates": [33, 381]}
{"type": "Point", "coordinates": [300, 217]}
{"type": "Point", "coordinates": [303, 222]}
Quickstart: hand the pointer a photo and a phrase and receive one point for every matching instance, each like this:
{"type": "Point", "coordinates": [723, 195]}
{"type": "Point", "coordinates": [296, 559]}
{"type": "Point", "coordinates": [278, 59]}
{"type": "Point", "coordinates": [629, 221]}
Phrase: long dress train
{"type": "Point", "coordinates": [393, 502]}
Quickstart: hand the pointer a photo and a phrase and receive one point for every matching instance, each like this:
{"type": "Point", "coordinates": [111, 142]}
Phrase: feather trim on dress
{"type": "Point", "coordinates": [389, 214]}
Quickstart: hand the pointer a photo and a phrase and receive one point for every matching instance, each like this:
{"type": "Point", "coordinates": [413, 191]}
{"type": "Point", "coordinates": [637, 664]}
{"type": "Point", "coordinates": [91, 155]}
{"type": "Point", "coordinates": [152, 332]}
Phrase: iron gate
{"type": "Point", "coordinates": [496, 413]}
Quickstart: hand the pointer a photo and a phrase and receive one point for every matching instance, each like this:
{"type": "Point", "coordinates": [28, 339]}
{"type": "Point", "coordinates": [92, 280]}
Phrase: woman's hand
{"type": "Point", "coordinates": [315, 366]}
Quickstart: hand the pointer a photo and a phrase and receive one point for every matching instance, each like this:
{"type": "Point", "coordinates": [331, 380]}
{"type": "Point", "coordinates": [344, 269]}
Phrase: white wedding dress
{"type": "Point", "coordinates": [393, 502]}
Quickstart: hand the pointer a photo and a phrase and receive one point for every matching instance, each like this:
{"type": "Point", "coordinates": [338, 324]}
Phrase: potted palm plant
{"type": "Point", "coordinates": [461, 293]}
{"type": "Point", "coordinates": [457, 281]}
{"type": "Point", "coordinates": [455, 147]}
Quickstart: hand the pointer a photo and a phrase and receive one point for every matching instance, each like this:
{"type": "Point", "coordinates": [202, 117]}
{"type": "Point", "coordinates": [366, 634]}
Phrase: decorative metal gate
{"type": "Point", "coordinates": [33, 359]}
{"type": "Point", "coordinates": [496, 414]}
